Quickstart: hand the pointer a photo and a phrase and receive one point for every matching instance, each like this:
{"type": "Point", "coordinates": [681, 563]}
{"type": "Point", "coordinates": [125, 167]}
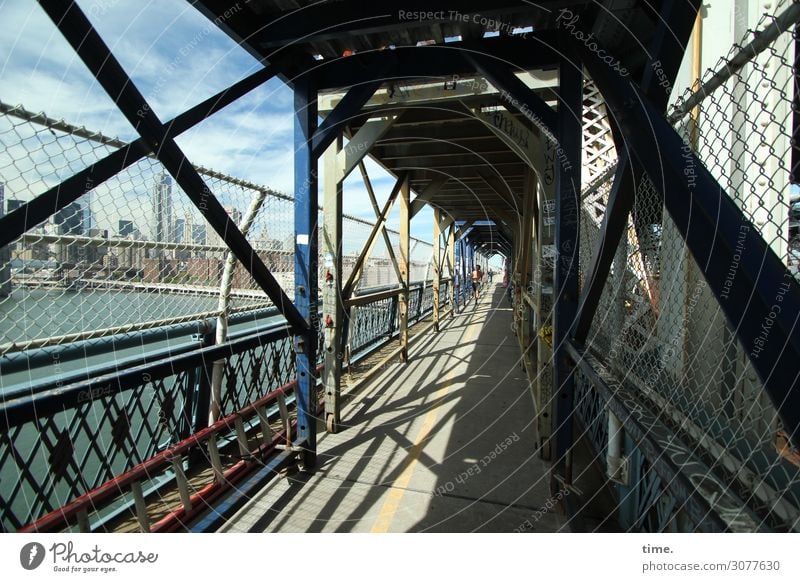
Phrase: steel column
{"type": "Point", "coordinates": [405, 235]}
{"type": "Point", "coordinates": [305, 265]}
{"type": "Point", "coordinates": [437, 263]}
{"type": "Point", "coordinates": [333, 317]}
{"type": "Point", "coordinates": [568, 187]}
{"type": "Point", "coordinates": [451, 265]}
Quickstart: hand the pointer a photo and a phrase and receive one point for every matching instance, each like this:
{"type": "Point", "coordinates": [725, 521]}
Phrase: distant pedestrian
{"type": "Point", "coordinates": [476, 282]}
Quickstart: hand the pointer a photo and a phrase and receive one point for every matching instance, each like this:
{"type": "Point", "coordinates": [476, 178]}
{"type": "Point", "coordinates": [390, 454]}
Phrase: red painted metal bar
{"type": "Point", "coordinates": [89, 501]}
{"type": "Point", "coordinates": [202, 500]}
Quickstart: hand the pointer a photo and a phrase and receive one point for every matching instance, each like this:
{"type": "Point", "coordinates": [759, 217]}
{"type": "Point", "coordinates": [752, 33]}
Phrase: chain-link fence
{"type": "Point", "coordinates": [659, 327]}
{"type": "Point", "coordinates": [134, 252]}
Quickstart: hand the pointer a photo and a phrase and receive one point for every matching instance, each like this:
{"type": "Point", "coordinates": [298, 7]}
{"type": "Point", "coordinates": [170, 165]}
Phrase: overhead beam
{"type": "Point", "coordinates": [360, 144]}
{"type": "Point", "coordinates": [434, 93]}
{"type": "Point", "coordinates": [516, 93]}
{"type": "Point", "coordinates": [462, 230]}
{"type": "Point", "coordinates": [86, 42]}
{"type": "Point", "coordinates": [348, 108]}
{"type": "Point", "coordinates": [428, 193]}
{"type": "Point", "coordinates": [500, 187]}
{"type": "Point", "coordinates": [432, 61]}
{"type": "Point", "coordinates": [327, 22]}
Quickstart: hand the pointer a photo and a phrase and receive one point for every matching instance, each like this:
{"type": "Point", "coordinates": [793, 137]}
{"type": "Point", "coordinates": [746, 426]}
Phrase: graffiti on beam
{"type": "Point", "coordinates": [657, 443]}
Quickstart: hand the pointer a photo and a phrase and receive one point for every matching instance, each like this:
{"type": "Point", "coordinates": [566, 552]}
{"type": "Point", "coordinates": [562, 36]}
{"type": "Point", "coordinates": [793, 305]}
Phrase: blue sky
{"type": "Point", "coordinates": [177, 58]}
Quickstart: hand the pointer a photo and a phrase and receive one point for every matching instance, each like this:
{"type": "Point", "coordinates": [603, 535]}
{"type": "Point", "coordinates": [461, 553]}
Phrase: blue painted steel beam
{"type": "Point", "coordinates": [514, 93]}
{"type": "Point", "coordinates": [88, 44]}
{"type": "Point", "coordinates": [615, 222]}
{"type": "Point", "coordinates": [306, 209]}
{"type": "Point", "coordinates": [568, 203]}
{"type": "Point", "coordinates": [348, 108]}
{"type": "Point", "coordinates": [58, 197]}
{"type": "Point", "coordinates": [763, 293]}
{"type": "Point", "coordinates": [444, 60]}
{"type": "Point", "coordinates": [676, 19]}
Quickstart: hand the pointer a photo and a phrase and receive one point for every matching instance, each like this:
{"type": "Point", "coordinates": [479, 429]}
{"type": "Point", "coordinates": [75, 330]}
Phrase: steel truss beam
{"type": "Point", "coordinates": [369, 243]}
{"type": "Point", "coordinates": [386, 240]}
{"type": "Point", "coordinates": [514, 93]}
{"type": "Point", "coordinates": [667, 50]}
{"type": "Point", "coordinates": [533, 52]}
{"type": "Point", "coordinates": [88, 44]}
{"type": "Point", "coordinates": [322, 22]}
{"type": "Point", "coordinates": [428, 193]}
{"type": "Point", "coordinates": [615, 222]}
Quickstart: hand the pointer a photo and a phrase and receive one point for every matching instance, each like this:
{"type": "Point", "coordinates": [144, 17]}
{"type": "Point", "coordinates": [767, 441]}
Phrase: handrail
{"type": "Point", "coordinates": [25, 408]}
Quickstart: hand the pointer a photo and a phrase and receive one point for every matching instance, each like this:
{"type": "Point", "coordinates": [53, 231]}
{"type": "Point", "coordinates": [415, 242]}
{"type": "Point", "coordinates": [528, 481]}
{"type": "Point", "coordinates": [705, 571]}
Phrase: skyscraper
{"type": "Point", "coordinates": [199, 234]}
{"type": "Point", "coordinates": [71, 220]}
{"type": "Point", "coordinates": [162, 209]}
{"type": "Point", "coordinates": [178, 230]}
{"type": "Point", "coordinates": [14, 204]}
{"type": "Point", "coordinates": [125, 228]}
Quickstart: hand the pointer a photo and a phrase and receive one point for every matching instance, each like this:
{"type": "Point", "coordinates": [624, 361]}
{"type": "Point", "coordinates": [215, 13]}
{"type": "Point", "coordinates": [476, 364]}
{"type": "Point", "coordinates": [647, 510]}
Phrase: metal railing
{"type": "Point", "coordinates": [144, 421]}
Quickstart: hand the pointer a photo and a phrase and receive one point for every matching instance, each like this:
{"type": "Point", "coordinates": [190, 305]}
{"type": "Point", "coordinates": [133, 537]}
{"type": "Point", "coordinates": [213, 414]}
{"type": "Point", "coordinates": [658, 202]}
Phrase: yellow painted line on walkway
{"type": "Point", "coordinates": [398, 488]}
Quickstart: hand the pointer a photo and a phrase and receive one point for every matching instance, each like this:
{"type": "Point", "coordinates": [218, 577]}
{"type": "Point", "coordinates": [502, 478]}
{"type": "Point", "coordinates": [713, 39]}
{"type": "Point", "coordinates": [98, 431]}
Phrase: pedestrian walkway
{"type": "Point", "coordinates": [445, 443]}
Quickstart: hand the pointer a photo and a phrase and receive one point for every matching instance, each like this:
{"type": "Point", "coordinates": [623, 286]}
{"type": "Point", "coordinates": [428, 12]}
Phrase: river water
{"type": "Point", "coordinates": [38, 313]}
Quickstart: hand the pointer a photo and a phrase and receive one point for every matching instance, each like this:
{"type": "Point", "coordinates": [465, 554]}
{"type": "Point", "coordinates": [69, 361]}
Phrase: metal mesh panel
{"type": "Point", "coordinates": [658, 325]}
{"type": "Point", "coordinates": [134, 252]}
{"type": "Point", "coordinates": [743, 131]}
{"type": "Point", "coordinates": [130, 252]}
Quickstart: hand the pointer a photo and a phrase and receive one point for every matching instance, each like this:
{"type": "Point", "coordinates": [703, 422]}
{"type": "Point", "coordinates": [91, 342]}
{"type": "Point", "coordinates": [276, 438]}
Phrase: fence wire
{"type": "Point", "coordinates": [660, 328]}
{"type": "Point", "coordinates": [134, 252]}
